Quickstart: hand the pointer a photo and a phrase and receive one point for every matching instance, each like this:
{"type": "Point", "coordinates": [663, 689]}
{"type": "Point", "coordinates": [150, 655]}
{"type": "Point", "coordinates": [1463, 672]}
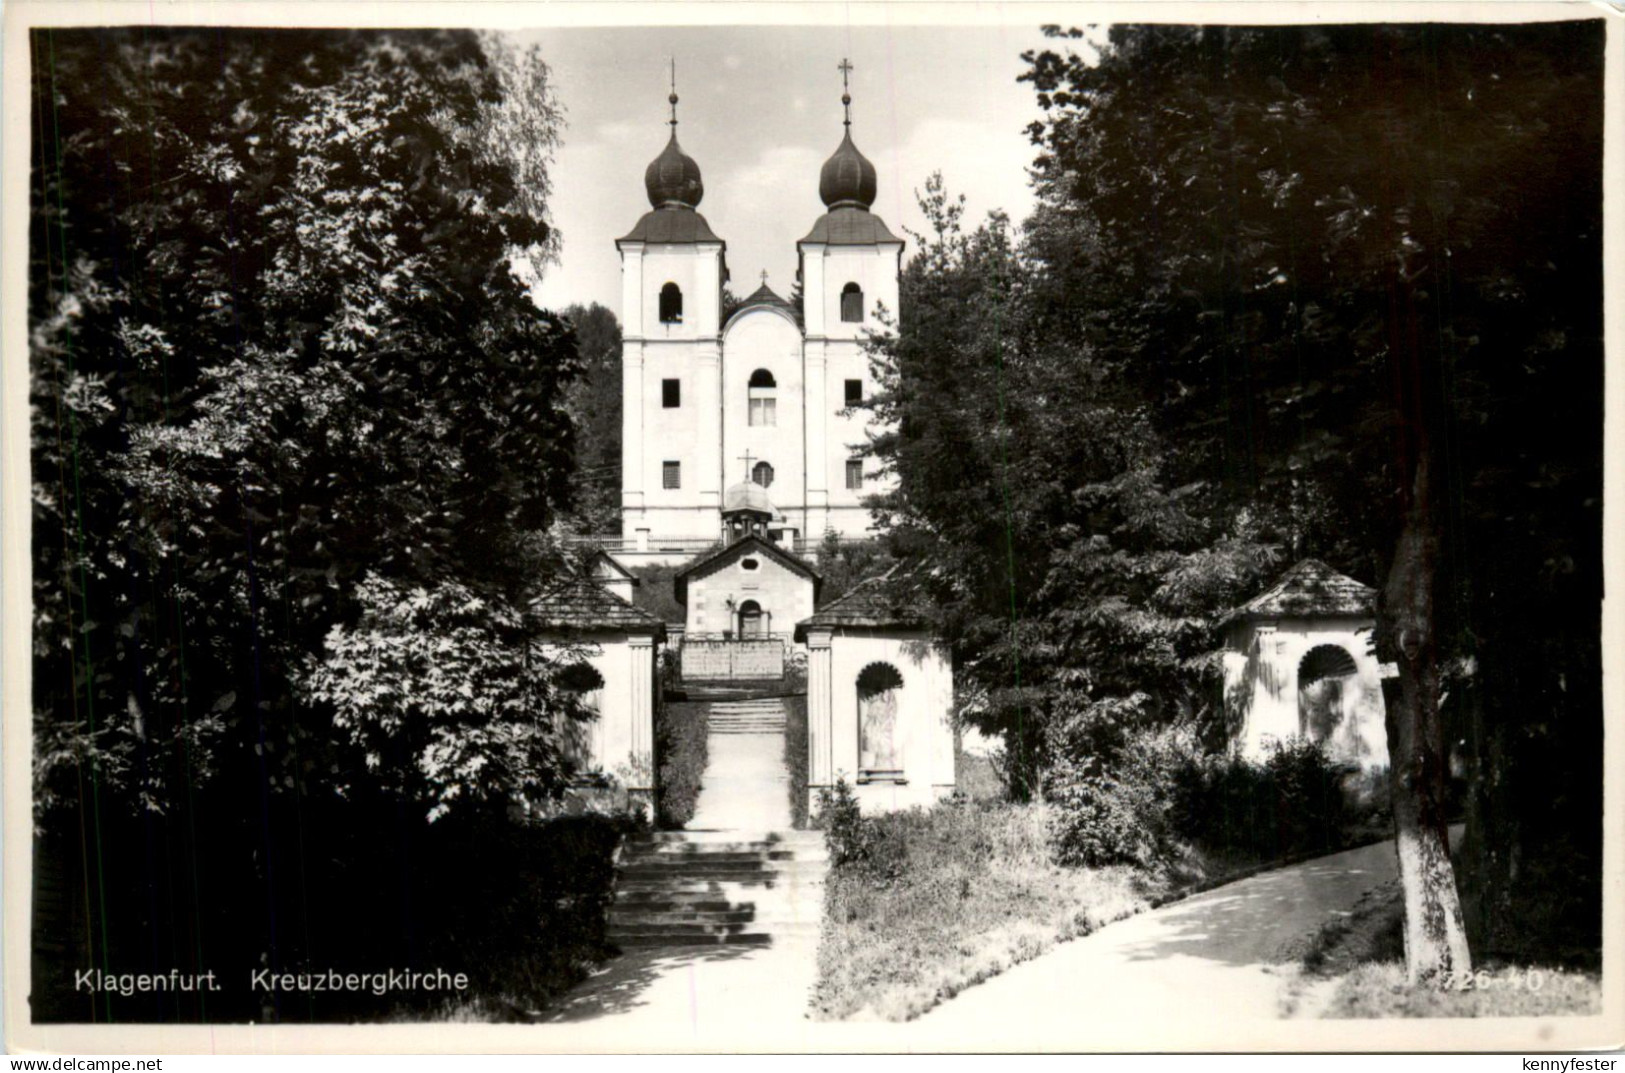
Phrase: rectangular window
{"type": "Point", "coordinates": [671, 393]}
{"type": "Point", "coordinates": [854, 473]}
{"type": "Point", "coordinates": [671, 474]}
{"type": "Point", "coordinates": [854, 392]}
{"type": "Point", "coordinates": [764, 412]}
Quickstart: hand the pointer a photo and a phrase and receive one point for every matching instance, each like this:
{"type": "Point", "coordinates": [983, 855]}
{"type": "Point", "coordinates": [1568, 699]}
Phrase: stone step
{"type": "Point", "coordinates": [681, 933]}
{"type": "Point", "coordinates": [754, 885]}
{"type": "Point", "coordinates": [660, 939]}
{"type": "Point", "coordinates": [623, 931]}
{"type": "Point", "coordinates": [693, 899]}
{"type": "Point", "coordinates": [640, 918]}
{"type": "Point", "coordinates": [695, 849]}
{"type": "Point", "coordinates": [698, 835]}
{"type": "Point", "coordinates": [662, 855]}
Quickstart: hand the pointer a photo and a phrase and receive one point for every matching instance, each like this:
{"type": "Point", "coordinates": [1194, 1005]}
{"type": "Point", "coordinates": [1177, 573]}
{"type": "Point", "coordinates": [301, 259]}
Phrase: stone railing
{"type": "Point", "coordinates": [710, 658]}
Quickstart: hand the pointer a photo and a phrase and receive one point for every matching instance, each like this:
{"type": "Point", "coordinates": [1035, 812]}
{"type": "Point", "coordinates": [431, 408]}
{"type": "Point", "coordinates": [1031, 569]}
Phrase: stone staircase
{"type": "Point", "coordinates": [691, 888]}
{"type": "Point", "coordinates": [758, 715]}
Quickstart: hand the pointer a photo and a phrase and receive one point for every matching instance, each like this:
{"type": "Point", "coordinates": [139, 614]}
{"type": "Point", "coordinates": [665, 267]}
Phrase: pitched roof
{"type": "Point", "coordinates": [577, 603]}
{"type": "Point", "coordinates": [1312, 588]}
{"type": "Point", "coordinates": [603, 564]}
{"type": "Point", "coordinates": [710, 562]}
{"type": "Point", "coordinates": [893, 599]}
{"type": "Point", "coordinates": [850, 226]}
{"type": "Point", "coordinates": [764, 297]}
{"type": "Point", "coordinates": [671, 224]}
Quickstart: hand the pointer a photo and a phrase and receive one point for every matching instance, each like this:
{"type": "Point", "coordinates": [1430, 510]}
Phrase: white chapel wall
{"type": "Point", "coordinates": [784, 594]}
{"type": "Point", "coordinates": [1261, 686]}
{"type": "Point", "coordinates": [924, 716]}
{"type": "Point", "coordinates": [622, 741]}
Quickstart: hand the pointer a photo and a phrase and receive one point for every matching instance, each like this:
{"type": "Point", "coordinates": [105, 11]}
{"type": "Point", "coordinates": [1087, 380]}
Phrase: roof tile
{"type": "Point", "coordinates": [1312, 588]}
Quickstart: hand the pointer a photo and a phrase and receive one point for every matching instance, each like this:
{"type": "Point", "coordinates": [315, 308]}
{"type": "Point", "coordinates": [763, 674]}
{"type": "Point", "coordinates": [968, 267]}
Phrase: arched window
{"type": "Point", "coordinates": [583, 735]}
{"type": "Point", "coordinates": [671, 304]}
{"type": "Point", "coordinates": [752, 622]}
{"type": "Point", "coordinates": [762, 474]}
{"type": "Point", "coordinates": [763, 404]}
{"type": "Point", "coordinates": [852, 303]}
{"type": "Point", "coordinates": [1323, 680]}
{"type": "Point", "coordinates": [879, 757]}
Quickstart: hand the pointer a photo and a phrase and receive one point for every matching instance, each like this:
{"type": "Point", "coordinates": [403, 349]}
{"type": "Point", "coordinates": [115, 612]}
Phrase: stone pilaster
{"type": "Point", "coordinates": [643, 724]}
{"type": "Point", "coordinates": [820, 714]}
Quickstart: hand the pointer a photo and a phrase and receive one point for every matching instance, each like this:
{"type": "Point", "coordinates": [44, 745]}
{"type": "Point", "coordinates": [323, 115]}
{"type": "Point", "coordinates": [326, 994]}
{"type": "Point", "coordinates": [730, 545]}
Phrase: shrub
{"type": "Point", "coordinates": [1146, 792]}
{"type": "Point", "coordinates": [848, 835]}
{"type": "Point", "coordinates": [1115, 808]}
{"type": "Point", "coordinates": [680, 744]}
{"type": "Point", "coordinates": [1294, 801]}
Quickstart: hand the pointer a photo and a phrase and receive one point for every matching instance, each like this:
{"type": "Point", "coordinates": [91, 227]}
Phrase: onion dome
{"type": "Point", "coordinates": [673, 179]}
{"type": "Point", "coordinates": [848, 179]}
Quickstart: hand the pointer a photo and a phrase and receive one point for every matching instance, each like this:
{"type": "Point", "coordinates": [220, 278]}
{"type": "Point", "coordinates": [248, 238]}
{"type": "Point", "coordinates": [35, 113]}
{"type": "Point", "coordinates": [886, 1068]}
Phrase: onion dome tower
{"type": "Point", "coordinates": [847, 186]}
{"type": "Point", "coordinates": [849, 267]}
{"type": "Point", "coordinates": [673, 267]}
{"type": "Point", "coordinates": [675, 188]}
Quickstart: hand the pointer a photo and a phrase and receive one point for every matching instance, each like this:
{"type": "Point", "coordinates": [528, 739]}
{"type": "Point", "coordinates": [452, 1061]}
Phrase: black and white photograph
{"type": "Point", "coordinates": [881, 527]}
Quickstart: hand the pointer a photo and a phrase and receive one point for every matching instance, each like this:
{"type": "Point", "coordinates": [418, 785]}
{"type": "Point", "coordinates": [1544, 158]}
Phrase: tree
{"type": "Point", "coordinates": [1299, 246]}
{"type": "Point", "coordinates": [1076, 588]}
{"type": "Point", "coordinates": [282, 365]}
{"type": "Point", "coordinates": [594, 404]}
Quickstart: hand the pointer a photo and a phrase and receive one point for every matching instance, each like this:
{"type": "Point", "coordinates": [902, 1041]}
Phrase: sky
{"type": "Point", "coordinates": [760, 112]}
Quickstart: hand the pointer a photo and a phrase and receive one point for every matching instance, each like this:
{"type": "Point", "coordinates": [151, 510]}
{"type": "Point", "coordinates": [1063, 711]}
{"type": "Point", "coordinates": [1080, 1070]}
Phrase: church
{"type": "Point", "coordinates": [763, 396]}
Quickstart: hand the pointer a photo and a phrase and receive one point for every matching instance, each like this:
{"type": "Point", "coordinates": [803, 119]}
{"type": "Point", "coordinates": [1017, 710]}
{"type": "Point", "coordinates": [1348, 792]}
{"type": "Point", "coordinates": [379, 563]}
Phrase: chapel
{"type": "Point", "coordinates": [770, 386]}
{"type": "Point", "coordinates": [1299, 664]}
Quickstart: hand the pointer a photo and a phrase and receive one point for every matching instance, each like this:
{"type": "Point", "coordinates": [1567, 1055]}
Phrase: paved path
{"type": "Point", "coordinates": [745, 786]}
{"type": "Point", "coordinates": [1216, 957]}
{"type": "Point", "coordinates": [718, 996]}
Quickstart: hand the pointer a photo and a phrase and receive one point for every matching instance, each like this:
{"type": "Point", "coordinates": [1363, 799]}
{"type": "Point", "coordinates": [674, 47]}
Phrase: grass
{"type": "Point", "coordinates": [795, 757]}
{"type": "Point", "coordinates": [949, 897]}
{"type": "Point", "coordinates": [1361, 958]}
{"type": "Point", "coordinates": [682, 750]}
{"type": "Point", "coordinates": [1379, 990]}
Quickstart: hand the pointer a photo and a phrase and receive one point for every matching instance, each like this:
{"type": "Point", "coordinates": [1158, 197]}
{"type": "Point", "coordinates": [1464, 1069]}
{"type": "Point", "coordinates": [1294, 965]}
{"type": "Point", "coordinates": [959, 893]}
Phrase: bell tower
{"type": "Point", "coordinates": [672, 271]}
{"type": "Point", "coordinates": [850, 265]}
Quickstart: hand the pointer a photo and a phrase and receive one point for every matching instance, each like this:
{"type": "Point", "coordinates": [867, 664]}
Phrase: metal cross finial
{"type": "Point", "coordinates": [845, 68]}
{"type": "Point", "coordinates": [748, 458]}
{"type": "Point", "coordinates": [673, 98]}
{"type": "Point", "coordinates": [764, 277]}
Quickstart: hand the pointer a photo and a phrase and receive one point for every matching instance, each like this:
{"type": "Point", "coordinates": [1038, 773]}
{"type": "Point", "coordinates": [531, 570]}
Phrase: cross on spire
{"type": "Point", "coordinates": [747, 458]}
{"type": "Point", "coordinates": [845, 67]}
{"type": "Point", "coordinates": [673, 98]}
{"type": "Point", "coordinates": [764, 277]}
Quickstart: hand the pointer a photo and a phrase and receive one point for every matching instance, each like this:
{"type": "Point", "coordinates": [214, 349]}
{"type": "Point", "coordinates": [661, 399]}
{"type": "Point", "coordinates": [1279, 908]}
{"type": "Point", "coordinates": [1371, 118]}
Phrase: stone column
{"type": "Point", "coordinates": [820, 715]}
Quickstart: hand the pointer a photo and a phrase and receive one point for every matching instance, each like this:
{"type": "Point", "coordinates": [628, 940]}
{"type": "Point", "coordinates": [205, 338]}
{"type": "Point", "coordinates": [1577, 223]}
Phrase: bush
{"type": "Point", "coordinates": [1293, 802]}
{"type": "Point", "coordinates": [1115, 807]}
{"type": "Point", "coordinates": [680, 744]}
{"type": "Point", "coordinates": [849, 837]}
{"type": "Point", "coordinates": [1148, 792]}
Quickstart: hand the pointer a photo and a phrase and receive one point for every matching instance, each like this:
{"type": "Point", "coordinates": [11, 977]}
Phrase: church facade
{"type": "Point", "coordinates": [764, 395]}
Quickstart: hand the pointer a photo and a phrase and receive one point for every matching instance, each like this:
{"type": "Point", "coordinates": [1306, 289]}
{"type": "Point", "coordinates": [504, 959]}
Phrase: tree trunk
{"type": "Point", "coordinates": [1435, 940]}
